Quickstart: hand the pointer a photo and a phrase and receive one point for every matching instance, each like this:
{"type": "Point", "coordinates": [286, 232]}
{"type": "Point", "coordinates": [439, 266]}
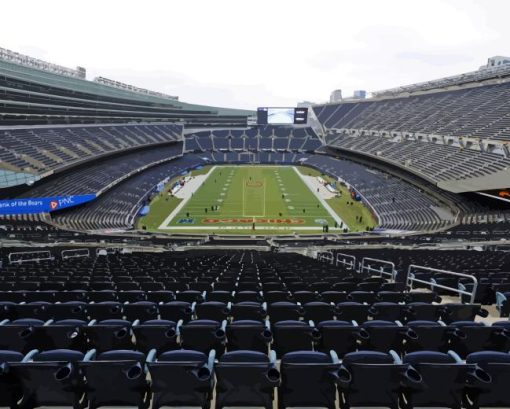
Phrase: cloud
{"type": "Point", "coordinates": [261, 53]}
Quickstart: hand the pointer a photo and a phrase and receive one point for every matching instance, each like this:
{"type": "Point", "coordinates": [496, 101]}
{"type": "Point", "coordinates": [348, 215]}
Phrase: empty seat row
{"type": "Point", "coordinates": [251, 310]}
{"type": "Point", "coordinates": [284, 336]}
{"type": "Point", "coordinates": [249, 378]}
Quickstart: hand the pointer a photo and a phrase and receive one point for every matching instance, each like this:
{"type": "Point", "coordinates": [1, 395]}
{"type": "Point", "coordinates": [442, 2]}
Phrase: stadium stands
{"type": "Point", "coordinates": [134, 317]}
{"type": "Point", "coordinates": [117, 208]}
{"type": "Point", "coordinates": [34, 93]}
{"type": "Point", "coordinates": [38, 151]}
{"type": "Point", "coordinates": [435, 162]}
{"type": "Point", "coordinates": [398, 205]}
{"type": "Point", "coordinates": [96, 177]}
{"type": "Point", "coordinates": [469, 112]}
{"type": "Point", "coordinates": [265, 144]}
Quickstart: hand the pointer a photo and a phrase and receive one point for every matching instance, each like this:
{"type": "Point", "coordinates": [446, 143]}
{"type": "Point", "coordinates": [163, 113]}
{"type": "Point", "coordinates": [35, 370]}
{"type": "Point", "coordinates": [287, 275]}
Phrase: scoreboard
{"type": "Point", "coordinates": [282, 116]}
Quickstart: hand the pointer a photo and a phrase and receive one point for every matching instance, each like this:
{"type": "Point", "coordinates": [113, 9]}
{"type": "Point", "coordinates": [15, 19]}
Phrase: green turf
{"type": "Point", "coordinates": [273, 197]}
{"type": "Point", "coordinates": [348, 208]}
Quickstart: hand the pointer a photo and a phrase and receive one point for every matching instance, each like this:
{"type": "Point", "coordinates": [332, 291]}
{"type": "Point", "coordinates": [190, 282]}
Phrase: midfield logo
{"type": "Point", "coordinates": [186, 221]}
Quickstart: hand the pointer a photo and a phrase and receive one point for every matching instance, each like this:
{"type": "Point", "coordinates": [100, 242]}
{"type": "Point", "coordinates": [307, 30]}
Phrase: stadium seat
{"type": "Point", "coordinates": [290, 336]}
{"type": "Point", "coordinates": [18, 335]}
{"type": "Point", "coordinates": [182, 378]}
{"type": "Point", "coordinates": [308, 379]}
{"type": "Point", "coordinates": [383, 336]}
{"type": "Point", "coordinates": [124, 369]}
{"type": "Point", "coordinates": [352, 311]}
{"type": "Point", "coordinates": [246, 378]}
{"type": "Point", "coordinates": [176, 311]}
{"type": "Point", "coordinates": [386, 311]}
{"type": "Point", "coordinates": [248, 310]}
{"type": "Point", "coordinates": [426, 336]}
{"type": "Point", "coordinates": [445, 378]}
{"type": "Point", "coordinates": [339, 336]}
{"type": "Point", "coordinates": [160, 335]}
{"type": "Point", "coordinates": [111, 334]}
{"type": "Point", "coordinates": [213, 310]}
{"type": "Point", "coordinates": [249, 335]}
{"type": "Point", "coordinates": [50, 378]}
{"type": "Point", "coordinates": [494, 393]}
{"type": "Point", "coordinates": [10, 388]}
{"type": "Point", "coordinates": [369, 378]}
{"type": "Point", "coordinates": [204, 335]}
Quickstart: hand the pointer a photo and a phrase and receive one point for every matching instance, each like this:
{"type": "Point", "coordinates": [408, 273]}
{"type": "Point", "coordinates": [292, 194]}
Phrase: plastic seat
{"type": "Point", "coordinates": [421, 311]}
{"type": "Point", "coordinates": [290, 336]}
{"type": "Point", "coordinates": [444, 378]}
{"type": "Point", "coordinates": [248, 335]}
{"type": "Point", "coordinates": [468, 336]}
{"type": "Point", "coordinates": [51, 378]}
{"type": "Point", "coordinates": [370, 378]}
{"type": "Point", "coordinates": [386, 311]}
{"type": "Point", "coordinates": [318, 311]}
{"type": "Point", "coordinates": [426, 336]}
{"type": "Point", "coordinates": [241, 296]}
{"type": "Point", "coordinates": [125, 371]}
{"type": "Point", "coordinates": [334, 297]}
{"type": "Point", "coordinates": [213, 310]}
{"type": "Point", "coordinates": [391, 296]}
{"type": "Point", "coordinates": [113, 334]}
{"type": "Point", "coordinates": [18, 335]}
{"type": "Point", "coordinates": [276, 296]}
{"type": "Point", "coordinates": [204, 335]}
{"type": "Point", "coordinates": [176, 311]}
{"type": "Point", "coordinates": [131, 296]}
{"type": "Point", "coordinates": [339, 336]}
{"type": "Point", "coordinates": [248, 310]}
{"type": "Point", "coordinates": [246, 378]}
{"type": "Point", "coordinates": [495, 393]}
{"type": "Point", "coordinates": [182, 378]}
{"type": "Point", "coordinates": [62, 334]}
{"type": "Point", "coordinates": [10, 388]}
{"type": "Point", "coordinates": [284, 311]}
{"type": "Point", "coordinates": [160, 335]}
{"type": "Point", "coordinates": [141, 310]}
{"type": "Point", "coordinates": [190, 296]}
{"type": "Point", "coordinates": [308, 379]}
{"type": "Point", "coordinates": [105, 310]}
{"type": "Point", "coordinates": [220, 296]}
{"type": "Point", "coordinates": [352, 311]}
{"type": "Point", "coordinates": [160, 296]}
{"type": "Point", "coordinates": [75, 310]}
{"type": "Point", "coordinates": [461, 312]}
{"type": "Point", "coordinates": [304, 297]}
{"type": "Point", "coordinates": [383, 336]}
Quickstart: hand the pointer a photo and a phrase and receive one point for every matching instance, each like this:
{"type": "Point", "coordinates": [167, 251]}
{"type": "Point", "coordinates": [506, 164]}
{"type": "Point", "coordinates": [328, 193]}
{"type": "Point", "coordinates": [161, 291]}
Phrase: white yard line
{"type": "Point", "coordinates": [169, 218]}
{"type": "Point", "coordinates": [331, 212]}
{"type": "Point", "coordinates": [264, 196]}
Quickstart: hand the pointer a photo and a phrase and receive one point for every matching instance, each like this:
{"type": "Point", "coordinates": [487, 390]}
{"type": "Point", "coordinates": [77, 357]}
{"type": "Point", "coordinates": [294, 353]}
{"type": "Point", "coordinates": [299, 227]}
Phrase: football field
{"type": "Point", "coordinates": [246, 200]}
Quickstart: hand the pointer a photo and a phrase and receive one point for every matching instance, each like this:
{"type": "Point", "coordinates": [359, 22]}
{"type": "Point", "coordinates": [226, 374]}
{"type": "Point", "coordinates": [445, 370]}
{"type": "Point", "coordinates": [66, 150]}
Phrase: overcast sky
{"type": "Point", "coordinates": [245, 54]}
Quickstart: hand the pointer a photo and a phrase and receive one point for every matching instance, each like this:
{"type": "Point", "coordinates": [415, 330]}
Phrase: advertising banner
{"type": "Point", "coordinates": [42, 204]}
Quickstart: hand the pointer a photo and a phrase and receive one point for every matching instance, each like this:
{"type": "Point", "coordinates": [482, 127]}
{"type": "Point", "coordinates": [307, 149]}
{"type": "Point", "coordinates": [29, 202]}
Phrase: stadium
{"type": "Point", "coordinates": [162, 253]}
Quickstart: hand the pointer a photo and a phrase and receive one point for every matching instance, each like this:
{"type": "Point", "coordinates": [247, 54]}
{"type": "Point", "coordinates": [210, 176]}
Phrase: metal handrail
{"type": "Point", "coordinates": [368, 268]}
{"type": "Point", "coordinates": [46, 255]}
{"type": "Point", "coordinates": [412, 279]}
{"type": "Point", "coordinates": [74, 253]}
{"type": "Point", "coordinates": [326, 256]}
{"type": "Point", "coordinates": [344, 261]}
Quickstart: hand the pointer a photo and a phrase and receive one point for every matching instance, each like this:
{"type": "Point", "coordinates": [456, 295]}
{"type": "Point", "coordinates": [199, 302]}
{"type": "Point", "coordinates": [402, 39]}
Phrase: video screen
{"type": "Point", "coordinates": [282, 116]}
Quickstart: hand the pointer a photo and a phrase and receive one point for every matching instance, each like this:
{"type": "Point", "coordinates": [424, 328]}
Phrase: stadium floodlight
{"type": "Point", "coordinates": [21, 59]}
{"type": "Point", "coordinates": [132, 88]}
